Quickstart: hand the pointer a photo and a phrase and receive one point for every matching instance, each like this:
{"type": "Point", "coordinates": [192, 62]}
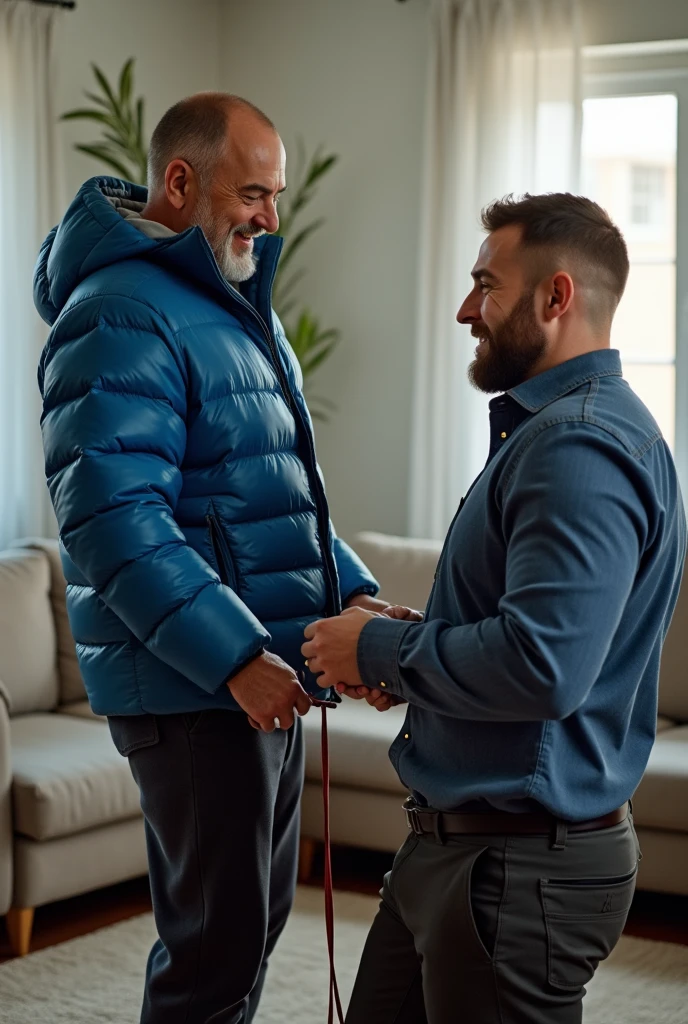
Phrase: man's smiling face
{"type": "Point", "coordinates": [500, 309]}
{"type": "Point", "coordinates": [241, 203]}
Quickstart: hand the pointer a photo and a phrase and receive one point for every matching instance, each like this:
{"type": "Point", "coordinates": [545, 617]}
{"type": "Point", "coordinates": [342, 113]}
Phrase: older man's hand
{"type": "Point", "coordinates": [400, 611]}
{"type": "Point", "coordinates": [331, 646]}
{"type": "Point", "coordinates": [270, 693]}
{"type": "Point", "coordinates": [367, 603]}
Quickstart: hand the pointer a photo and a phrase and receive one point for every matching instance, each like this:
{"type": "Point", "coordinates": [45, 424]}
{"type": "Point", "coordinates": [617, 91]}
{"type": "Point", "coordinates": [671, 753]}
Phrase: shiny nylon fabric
{"type": "Point", "coordinates": [179, 456]}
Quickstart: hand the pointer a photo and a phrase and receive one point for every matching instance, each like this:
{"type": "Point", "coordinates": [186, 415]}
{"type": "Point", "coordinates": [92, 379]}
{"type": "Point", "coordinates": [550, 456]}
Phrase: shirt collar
{"type": "Point", "coordinates": [539, 391]}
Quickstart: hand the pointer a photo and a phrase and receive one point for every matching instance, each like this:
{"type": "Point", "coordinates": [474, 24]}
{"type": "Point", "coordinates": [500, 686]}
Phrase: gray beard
{"type": "Point", "coordinates": [235, 268]}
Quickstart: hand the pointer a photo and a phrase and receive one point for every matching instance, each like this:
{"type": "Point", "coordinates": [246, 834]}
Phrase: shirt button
{"type": "Point", "coordinates": [503, 435]}
{"type": "Point", "coordinates": [406, 735]}
{"type": "Point", "coordinates": [383, 685]}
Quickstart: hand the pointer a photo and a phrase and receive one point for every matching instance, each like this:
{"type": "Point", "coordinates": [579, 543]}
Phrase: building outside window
{"type": "Point", "coordinates": [634, 162]}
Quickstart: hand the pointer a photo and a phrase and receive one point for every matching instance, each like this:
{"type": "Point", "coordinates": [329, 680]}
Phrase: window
{"type": "Point", "coordinates": [641, 198]}
{"type": "Point", "coordinates": [649, 186]}
{"type": "Point", "coordinates": [634, 163]}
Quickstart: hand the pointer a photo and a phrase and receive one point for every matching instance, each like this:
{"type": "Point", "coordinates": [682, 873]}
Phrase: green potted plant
{"type": "Point", "coordinates": [123, 149]}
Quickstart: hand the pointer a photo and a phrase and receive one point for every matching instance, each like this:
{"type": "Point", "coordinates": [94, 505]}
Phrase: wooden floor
{"type": "Point", "coordinates": [653, 915]}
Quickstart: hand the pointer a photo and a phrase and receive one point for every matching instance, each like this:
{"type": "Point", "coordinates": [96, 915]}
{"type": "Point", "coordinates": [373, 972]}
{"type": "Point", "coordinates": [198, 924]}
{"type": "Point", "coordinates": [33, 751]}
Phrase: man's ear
{"type": "Point", "coordinates": [179, 183]}
{"type": "Point", "coordinates": [560, 294]}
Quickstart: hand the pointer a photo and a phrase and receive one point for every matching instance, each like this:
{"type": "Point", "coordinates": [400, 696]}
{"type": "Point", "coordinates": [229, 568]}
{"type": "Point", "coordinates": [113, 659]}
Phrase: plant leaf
{"type": "Point", "coordinates": [139, 121]}
{"type": "Point", "coordinates": [107, 88]}
{"type": "Point", "coordinates": [325, 401]}
{"type": "Point", "coordinates": [293, 246]}
{"type": "Point", "coordinates": [95, 98]}
{"type": "Point", "coordinates": [87, 114]}
{"type": "Point", "coordinates": [314, 359]}
{"type": "Point", "coordinates": [282, 290]}
{"type": "Point", "coordinates": [126, 80]}
{"type": "Point", "coordinates": [103, 154]}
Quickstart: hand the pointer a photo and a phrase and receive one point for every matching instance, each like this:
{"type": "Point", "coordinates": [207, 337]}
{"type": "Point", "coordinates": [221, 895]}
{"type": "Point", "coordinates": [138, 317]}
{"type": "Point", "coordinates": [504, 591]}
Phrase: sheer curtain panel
{"type": "Point", "coordinates": [504, 114]}
{"type": "Point", "coordinates": [29, 207]}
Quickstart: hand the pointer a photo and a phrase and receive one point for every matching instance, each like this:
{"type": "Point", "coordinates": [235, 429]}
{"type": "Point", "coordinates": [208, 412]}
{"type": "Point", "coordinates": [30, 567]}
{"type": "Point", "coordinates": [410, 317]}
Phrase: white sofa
{"type": "Point", "coordinates": [70, 820]}
{"type": "Point", "coordinates": [366, 794]}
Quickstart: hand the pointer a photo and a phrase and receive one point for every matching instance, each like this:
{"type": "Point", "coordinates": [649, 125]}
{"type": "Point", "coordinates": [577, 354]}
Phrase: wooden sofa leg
{"type": "Point", "coordinates": [307, 848]}
{"type": "Point", "coordinates": [19, 925]}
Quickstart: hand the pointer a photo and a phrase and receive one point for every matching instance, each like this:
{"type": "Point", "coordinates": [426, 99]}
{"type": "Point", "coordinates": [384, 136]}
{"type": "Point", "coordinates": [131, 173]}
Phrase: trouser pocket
{"type": "Point", "coordinates": [133, 732]}
{"type": "Point", "coordinates": [584, 919]}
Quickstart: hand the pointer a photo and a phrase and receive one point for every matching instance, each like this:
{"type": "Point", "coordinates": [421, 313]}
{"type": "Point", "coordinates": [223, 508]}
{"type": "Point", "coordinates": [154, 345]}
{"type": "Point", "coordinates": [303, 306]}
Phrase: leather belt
{"type": "Point", "coordinates": [426, 821]}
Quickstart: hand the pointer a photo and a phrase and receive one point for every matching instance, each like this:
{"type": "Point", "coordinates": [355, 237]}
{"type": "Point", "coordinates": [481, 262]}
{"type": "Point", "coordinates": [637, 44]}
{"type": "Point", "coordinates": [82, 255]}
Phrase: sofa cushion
{"type": "Point", "coordinates": [404, 567]}
{"type": "Point", "coordinates": [27, 632]}
{"type": "Point", "coordinates": [359, 739]}
{"type": "Point", "coordinates": [673, 675]}
{"type": "Point", "coordinates": [662, 723]}
{"type": "Point", "coordinates": [68, 776]}
{"type": "Point", "coordinates": [661, 799]}
{"type": "Point", "coordinates": [82, 709]}
{"type": "Point", "coordinates": [70, 681]}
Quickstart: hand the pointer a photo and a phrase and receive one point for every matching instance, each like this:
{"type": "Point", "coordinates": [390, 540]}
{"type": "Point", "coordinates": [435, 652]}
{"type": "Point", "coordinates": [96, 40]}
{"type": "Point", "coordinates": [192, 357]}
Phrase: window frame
{"type": "Point", "coordinates": [630, 72]}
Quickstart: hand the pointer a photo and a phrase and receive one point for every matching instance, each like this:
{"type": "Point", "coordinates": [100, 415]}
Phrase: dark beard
{"type": "Point", "coordinates": [511, 351]}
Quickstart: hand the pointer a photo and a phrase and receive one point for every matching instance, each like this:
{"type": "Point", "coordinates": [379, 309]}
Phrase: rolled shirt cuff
{"type": "Point", "coordinates": [377, 653]}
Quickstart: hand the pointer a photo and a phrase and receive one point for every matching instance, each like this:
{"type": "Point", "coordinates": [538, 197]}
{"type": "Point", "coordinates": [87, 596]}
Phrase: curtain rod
{"type": "Point", "coordinates": [67, 4]}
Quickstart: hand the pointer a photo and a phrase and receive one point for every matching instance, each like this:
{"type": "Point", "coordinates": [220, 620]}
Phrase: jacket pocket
{"type": "Point", "coordinates": [223, 556]}
{"type": "Point", "coordinates": [133, 732]}
{"type": "Point", "coordinates": [584, 920]}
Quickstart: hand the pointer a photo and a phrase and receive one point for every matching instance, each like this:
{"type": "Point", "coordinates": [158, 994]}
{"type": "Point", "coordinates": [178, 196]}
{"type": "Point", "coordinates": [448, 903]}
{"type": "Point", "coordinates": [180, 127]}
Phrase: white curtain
{"type": "Point", "coordinates": [30, 190]}
{"type": "Point", "coordinates": [504, 115]}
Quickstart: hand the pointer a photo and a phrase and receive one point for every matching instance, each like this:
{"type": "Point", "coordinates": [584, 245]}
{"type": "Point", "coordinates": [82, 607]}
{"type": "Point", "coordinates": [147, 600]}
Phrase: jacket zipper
{"type": "Point", "coordinates": [223, 555]}
{"type": "Point", "coordinates": [322, 519]}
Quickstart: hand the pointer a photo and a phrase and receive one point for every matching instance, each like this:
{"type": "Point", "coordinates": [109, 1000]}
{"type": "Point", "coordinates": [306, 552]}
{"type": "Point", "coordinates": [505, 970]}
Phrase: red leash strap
{"type": "Point", "coordinates": [329, 895]}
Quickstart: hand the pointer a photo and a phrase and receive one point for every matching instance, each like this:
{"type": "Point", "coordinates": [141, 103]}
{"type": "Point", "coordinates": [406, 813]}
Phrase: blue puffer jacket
{"type": "Point", "coordinates": [179, 454]}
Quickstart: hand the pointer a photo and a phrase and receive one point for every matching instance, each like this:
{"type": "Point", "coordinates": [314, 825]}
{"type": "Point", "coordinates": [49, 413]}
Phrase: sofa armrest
{"type": "Point", "coordinates": [6, 831]}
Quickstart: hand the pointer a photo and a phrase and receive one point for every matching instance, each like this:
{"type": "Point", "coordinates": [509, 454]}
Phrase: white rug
{"type": "Point", "coordinates": [98, 979]}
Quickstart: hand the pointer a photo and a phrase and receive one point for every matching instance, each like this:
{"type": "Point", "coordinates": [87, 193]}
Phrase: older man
{"type": "Point", "coordinates": [532, 679]}
{"type": "Point", "coordinates": [195, 532]}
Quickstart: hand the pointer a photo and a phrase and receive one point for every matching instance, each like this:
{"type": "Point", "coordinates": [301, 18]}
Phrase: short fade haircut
{"type": "Point", "coordinates": [195, 130]}
{"type": "Point", "coordinates": [567, 231]}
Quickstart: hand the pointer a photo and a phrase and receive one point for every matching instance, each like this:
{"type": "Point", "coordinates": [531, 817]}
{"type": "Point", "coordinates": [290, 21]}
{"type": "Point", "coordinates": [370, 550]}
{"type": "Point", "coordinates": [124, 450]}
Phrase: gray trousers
{"type": "Point", "coordinates": [494, 929]}
{"type": "Point", "coordinates": [221, 804]}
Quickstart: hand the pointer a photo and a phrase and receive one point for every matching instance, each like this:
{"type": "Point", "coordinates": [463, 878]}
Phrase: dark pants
{"type": "Point", "coordinates": [221, 807]}
{"type": "Point", "coordinates": [494, 929]}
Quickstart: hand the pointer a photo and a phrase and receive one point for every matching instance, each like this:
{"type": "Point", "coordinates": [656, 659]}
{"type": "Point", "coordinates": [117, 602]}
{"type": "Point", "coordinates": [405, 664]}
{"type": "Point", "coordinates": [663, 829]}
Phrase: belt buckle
{"type": "Point", "coordinates": [413, 820]}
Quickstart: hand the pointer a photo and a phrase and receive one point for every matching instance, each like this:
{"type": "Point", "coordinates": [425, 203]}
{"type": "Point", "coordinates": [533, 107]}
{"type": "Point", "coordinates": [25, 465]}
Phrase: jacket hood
{"type": "Point", "coordinates": [93, 235]}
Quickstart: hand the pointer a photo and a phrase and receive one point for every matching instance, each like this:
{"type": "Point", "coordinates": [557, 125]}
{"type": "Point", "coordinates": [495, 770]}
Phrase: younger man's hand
{"type": "Point", "coordinates": [376, 698]}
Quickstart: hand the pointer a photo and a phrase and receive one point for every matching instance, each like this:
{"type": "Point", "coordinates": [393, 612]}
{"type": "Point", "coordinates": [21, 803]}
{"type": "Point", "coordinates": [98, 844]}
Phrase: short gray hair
{"type": "Point", "coordinates": [195, 130]}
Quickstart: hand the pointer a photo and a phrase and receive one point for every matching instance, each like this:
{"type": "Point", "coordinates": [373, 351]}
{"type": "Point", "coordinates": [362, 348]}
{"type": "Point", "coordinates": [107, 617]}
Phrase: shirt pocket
{"type": "Point", "coordinates": [584, 919]}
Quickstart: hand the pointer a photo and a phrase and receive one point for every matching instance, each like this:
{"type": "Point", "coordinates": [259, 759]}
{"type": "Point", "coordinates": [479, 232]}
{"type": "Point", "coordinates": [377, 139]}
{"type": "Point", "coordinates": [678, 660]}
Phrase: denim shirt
{"type": "Point", "coordinates": [532, 681]}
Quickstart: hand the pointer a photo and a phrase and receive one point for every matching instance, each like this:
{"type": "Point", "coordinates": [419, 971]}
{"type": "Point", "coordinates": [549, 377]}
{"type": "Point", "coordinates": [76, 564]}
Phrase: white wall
{"type": "Point", "coordinates": [633, 21]}
{"type": "Point", "coordinates": [177, 49]}
{"type": "Point", "coordinates": [351, 74]}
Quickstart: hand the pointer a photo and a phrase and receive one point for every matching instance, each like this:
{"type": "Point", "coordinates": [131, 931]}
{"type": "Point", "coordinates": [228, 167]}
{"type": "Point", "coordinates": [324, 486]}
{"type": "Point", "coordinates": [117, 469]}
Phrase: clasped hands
{"type": "Point", "coordinates": [269, 690]}
{"type": "Point", "coordinates": [331, 649]}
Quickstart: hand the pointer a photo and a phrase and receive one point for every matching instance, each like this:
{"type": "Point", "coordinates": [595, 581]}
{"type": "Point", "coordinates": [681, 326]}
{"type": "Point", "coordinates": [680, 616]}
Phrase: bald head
{"type": "Point", "coordinates": [198, 130]}
{"type": "Point", "coordinates": [217, 162]}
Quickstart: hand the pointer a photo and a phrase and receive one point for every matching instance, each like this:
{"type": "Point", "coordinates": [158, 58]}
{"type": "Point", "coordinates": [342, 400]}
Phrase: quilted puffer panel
{"type": "Point", "coordinates": [180, 461]}
{"type": "Point", "coordinates": [246, 424]}
{"type": "Point", "coordinates": [283, 543]}
{"type": "Point", "coordinates": [285, 595]}
{"type": "Point", "coordinates": [247, 489]}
